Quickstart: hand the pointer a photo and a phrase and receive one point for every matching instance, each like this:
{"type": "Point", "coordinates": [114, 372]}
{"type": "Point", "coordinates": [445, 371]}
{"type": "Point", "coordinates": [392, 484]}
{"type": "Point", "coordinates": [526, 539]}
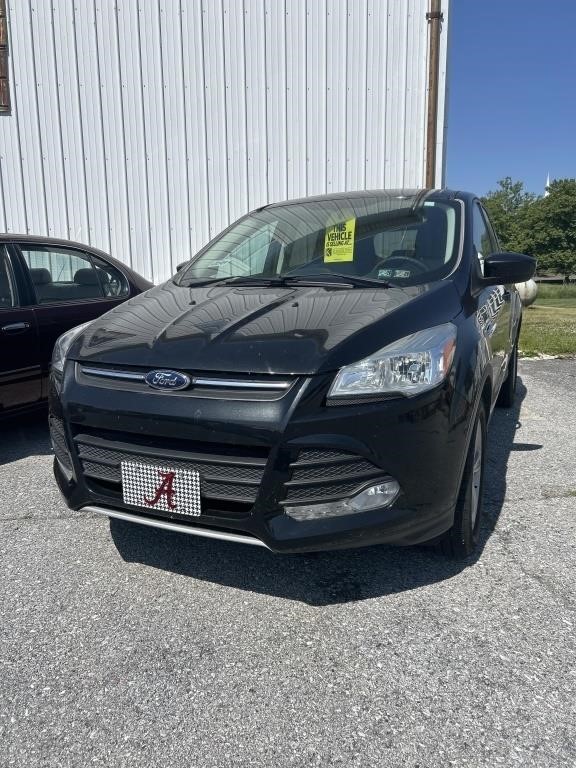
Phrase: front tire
{"type": "Point", "coordinates": [507, 392]}
{"type": "Point", "coordinates": [462, 539]}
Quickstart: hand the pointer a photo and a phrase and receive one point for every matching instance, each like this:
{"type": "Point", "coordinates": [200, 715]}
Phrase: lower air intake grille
{"type": "Point", "coordinates": [227, 481]}
{"type": "Point", "coordinates": [58, 438]}
{"type": "Point", "coordinates": [320, 475]}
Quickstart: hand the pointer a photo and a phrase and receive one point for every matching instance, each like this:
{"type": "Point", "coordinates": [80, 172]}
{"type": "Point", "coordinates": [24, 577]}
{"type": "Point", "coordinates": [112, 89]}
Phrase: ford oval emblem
{"type": "Point", "coordinates": [167, 380]}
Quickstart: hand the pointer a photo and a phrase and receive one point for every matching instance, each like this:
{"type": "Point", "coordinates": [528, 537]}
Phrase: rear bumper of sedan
{"type": "Point", "coordinates": [259, 459]}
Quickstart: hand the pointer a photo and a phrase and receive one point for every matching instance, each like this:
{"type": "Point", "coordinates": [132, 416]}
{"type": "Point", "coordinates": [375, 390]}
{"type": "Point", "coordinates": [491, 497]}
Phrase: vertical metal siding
{"type": "Point", "coordinates": [145, 127]}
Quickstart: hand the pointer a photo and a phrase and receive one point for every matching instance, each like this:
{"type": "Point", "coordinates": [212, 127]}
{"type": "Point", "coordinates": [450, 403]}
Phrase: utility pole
{"type": "Point", "coordinates": [434, 18]}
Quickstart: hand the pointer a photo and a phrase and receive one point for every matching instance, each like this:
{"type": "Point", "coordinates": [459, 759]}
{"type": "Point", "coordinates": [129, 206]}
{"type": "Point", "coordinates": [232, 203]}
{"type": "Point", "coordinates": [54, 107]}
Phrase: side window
{"type": "Point", "coordinates": [61, 274]}
{"type": "Point", "coordinates": [113, 282]}
{"type": "Point", "coordinates": [491, 232]}
{"type": "Point", "coordinates": [483, 243]}
{"type": "Point", "coordinates": [8, 295]}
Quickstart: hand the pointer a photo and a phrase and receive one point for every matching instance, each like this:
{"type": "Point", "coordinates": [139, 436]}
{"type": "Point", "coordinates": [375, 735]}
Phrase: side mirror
{"type": "Point", "coordinates": [507, 268]}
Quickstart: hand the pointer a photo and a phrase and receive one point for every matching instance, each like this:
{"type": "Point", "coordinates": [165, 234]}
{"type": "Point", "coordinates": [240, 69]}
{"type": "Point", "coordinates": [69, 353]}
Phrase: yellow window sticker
{"type": "Point", "coordinates": [339, 241]}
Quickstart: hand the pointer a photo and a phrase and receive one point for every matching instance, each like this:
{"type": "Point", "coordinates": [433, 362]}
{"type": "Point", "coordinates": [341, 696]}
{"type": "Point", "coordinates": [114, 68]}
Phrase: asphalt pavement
{"type": "Point", "coordinates": [125, 646]}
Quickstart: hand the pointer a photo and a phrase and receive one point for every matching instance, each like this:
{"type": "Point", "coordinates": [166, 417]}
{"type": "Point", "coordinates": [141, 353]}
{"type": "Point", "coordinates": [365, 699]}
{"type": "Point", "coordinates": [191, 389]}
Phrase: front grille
{"type": "Point", "coordinates": [230, 477]}
{"type": "Point", "coordinates": [208, 386]}
{"type": "Point", "coordinates": [58, 438]}
{"type": "Point", "coordinates": [320, 475]}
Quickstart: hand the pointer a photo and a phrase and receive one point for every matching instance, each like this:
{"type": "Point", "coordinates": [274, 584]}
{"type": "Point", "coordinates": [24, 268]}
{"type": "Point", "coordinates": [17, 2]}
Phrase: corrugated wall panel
{"type": "Point", "coordinates": [194, 101]}
{"type": "Point", "coordinates": [175, 128]}
{"type": "Point", "coordinates": [50, 105]}
{"type": "Point", "coordinates": [316, 98]}
{"type": "Point", "coordinates": [335, 31]}
{"type": "Point", "coordinates": [152, 18]}
{"type": "Point", "coordinates": [132, 48]}
{"type": "Point", "coordinates": [71, 124]}
{"type": "Point", "coordinates": [256, 101]}
{"type": "Point", "coordinates": [356, 97]}
{"type": "Point", "coordinates": [144, 127]}
{"type": "Point", "coordinates": [104, 81]}
{"type": "Point", "coordinates": [216, 117]}
{"type": "Point", "coordinates": [97, 198]}
{"type": "Point", "coordinates": [234, 46]}
{"type": "Point", "coordinates": [416, 84]}
{"type": "Point", "coordinates": [23, 127]}
{"type": "Point", "coordinates": [296, 103]}
{"type": "Point", "coordinates": [275, 84]}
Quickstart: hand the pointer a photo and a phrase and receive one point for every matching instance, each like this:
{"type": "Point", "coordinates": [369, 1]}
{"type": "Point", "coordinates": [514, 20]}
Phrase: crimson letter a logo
{"type": "Point", "coordinates": [166, 488]}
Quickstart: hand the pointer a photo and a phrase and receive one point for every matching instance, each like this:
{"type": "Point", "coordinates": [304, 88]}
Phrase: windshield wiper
{"type": "Point", "coordinates": [361, 281]}
{"type": "Point", "coordinates": [355, 281]}
{"type": "Point", "coordinates": [199, 282]}
{"type": "Point", "coordinates": [287, 281]}
{"type": "Point", "coordinates": [327, 280]}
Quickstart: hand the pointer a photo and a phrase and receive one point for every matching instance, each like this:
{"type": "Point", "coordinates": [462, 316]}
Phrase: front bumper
{"type": "Point", "coordinates": [258, 458]}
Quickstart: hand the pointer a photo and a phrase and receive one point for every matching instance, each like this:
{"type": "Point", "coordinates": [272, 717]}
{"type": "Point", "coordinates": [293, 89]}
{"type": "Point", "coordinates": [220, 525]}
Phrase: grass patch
{"type": "Point", "coordinates": [553, 302]}
{"type": "Point", "coordinates": [556, 295]}
{"type": "Point", "coordinates": [548, 330]}
{"type": "Point", "coordinates": [557, 291]}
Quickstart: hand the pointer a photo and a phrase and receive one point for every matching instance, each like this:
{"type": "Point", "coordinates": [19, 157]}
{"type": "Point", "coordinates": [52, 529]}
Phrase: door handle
{"type": "Point", "coordinates": [15, 327]}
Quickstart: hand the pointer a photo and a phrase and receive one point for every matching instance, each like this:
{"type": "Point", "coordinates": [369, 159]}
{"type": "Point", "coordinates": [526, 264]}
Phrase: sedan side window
{"type": "Point", "coordinates": [61, 274]}
{"type": "Point", "coordinates": [8, 296]}
{"type": "Point", "coordinates": [483, 243]}
{"type": "Point", "coordinates": [112, 280]}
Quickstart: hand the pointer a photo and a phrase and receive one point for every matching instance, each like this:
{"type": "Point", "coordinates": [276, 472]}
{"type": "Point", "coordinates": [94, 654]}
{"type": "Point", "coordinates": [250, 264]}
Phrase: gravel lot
{"type": "Point", "coordinates": [124, 646]}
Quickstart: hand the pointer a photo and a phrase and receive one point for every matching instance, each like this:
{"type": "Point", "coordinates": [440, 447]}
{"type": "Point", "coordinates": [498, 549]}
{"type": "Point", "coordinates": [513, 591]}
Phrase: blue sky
{"type": "Point", "coordinates": [512, 93]}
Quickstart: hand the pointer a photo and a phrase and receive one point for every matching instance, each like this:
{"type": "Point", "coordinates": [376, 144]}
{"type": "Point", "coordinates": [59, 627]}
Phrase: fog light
{"type": "Point", "coordinates": [374, 497]}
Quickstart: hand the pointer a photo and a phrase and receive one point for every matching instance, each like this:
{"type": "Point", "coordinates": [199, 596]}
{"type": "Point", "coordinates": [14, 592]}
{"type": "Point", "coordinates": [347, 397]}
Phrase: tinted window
{"type": "Point", "coordinates": [8, 297]}
{"type": "Point", "coordinates": [483, 243]}
{"type": "Point", "coordinates": [61, 274]}
{"type": "Point", "coordinates": [248, 257]}
{"type": "Point", "coordinates": [404, 239]}
{"type": "Point", "coordinates": [113, 282]}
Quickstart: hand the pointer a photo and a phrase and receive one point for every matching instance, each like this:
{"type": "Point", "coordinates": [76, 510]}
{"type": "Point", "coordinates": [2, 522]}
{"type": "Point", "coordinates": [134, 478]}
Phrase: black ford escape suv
{"type": "Point", "coordinates": [319, 376]}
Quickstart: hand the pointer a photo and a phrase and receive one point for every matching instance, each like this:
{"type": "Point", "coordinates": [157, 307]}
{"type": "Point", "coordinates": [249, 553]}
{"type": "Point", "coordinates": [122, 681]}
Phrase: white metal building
{"type": "Point", "coordinates": [145, 126]}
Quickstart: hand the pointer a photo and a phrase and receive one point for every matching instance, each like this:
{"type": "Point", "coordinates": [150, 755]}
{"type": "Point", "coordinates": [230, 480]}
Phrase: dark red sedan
{"type": "Point", "coordinates": [46, 287]}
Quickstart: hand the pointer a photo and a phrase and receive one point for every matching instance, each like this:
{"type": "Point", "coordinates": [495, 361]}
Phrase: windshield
{"type": "Point", "coordinates": [388, 238]}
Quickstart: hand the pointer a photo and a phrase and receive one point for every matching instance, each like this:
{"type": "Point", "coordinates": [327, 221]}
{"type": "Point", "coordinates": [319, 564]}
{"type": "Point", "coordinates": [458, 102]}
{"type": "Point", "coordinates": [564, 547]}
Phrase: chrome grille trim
{"type": "Point", "coordinates": [237, 383]}
{"type": "Point", "coordinates": [208, 533]}
{"type": "Point", "coordinates": [107, 373]}
{"type": "Point", "coordinates": [272, 385]}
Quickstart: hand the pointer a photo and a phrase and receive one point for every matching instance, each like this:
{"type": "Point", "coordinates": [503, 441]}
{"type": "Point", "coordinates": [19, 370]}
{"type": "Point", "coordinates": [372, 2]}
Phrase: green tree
{"type": "Point", "coordinates": [546, 229]}
{"type": "Point", "coordinates": [506, 207]}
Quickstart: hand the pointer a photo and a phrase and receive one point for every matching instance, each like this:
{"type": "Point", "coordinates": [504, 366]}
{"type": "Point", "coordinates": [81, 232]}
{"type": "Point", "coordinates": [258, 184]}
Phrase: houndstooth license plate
{"type": "Point", "coordinates": [162, 488]}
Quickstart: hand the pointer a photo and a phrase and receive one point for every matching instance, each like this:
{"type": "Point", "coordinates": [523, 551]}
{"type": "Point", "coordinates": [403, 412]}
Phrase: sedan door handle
{"type": "Point", "coordinates": [15, 327]}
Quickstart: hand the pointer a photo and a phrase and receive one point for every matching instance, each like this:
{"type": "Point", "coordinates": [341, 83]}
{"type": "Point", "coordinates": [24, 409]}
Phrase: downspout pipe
{"type": "Point", "coordinates": [435, 18]}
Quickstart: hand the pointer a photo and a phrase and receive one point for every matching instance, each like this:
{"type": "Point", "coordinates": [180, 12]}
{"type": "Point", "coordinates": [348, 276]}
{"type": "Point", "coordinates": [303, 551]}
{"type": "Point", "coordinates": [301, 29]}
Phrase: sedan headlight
{"type": "Point", "coordinates": [407, 367]}
{"type": "Point", "coordinates": [62, 346]}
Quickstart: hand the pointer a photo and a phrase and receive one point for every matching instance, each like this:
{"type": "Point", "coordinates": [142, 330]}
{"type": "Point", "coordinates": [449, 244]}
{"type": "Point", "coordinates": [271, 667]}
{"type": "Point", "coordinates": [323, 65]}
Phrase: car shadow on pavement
{"type": "Point", "coordinates": [24, 436]}
{"type": "Point", "coordinates": [324, 578]}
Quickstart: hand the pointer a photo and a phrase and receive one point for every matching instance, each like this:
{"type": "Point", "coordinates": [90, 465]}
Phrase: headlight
{"type": "Point", "coordinates": [63, 345]}
{"type": "Point", "coordinates": [407, 367]}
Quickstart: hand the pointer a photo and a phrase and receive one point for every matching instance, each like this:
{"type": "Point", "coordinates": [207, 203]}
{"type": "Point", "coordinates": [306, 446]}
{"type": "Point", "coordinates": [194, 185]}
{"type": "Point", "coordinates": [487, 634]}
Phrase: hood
{"type": "Point", "coordinates": [280, 330]}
